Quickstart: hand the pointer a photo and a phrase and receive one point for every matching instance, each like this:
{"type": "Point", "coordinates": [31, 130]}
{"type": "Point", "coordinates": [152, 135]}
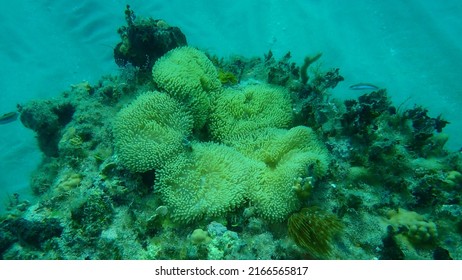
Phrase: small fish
{"type": "Point", "coordinates": [8, 117]}
{"type": "Point", "coordinates": [364, 86]}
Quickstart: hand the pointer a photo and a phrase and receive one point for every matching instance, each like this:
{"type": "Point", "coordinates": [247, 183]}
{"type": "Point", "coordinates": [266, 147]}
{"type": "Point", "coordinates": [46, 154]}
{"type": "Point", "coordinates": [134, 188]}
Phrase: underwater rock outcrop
{"type": "Point", "coordinates": [28, 233]}
{"type": "Point", "coordinates": [47, 119]}
{"type": "Point", "coordinates": [144, 40]}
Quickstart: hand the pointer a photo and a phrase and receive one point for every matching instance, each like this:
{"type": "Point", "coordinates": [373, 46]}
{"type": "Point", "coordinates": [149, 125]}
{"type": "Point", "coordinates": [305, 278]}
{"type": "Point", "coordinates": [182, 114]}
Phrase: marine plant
{"type": "Point", "coordinates": [423, 127]}
{"type": "Point", "coordinates": [309, 60]}
{"type": "Point", "coordinates": [227, 78]}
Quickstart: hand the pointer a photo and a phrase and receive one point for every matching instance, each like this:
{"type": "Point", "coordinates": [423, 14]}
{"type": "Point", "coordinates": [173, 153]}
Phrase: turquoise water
{"type": "Point", "coordinates": [412, 48]}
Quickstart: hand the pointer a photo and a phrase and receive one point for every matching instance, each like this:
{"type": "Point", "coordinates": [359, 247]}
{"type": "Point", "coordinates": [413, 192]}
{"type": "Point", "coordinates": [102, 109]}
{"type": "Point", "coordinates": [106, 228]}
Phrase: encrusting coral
{"type": "Point", "coordinates": [150, 130]}
{"type": "Point", "coordinates": [415, 227]}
